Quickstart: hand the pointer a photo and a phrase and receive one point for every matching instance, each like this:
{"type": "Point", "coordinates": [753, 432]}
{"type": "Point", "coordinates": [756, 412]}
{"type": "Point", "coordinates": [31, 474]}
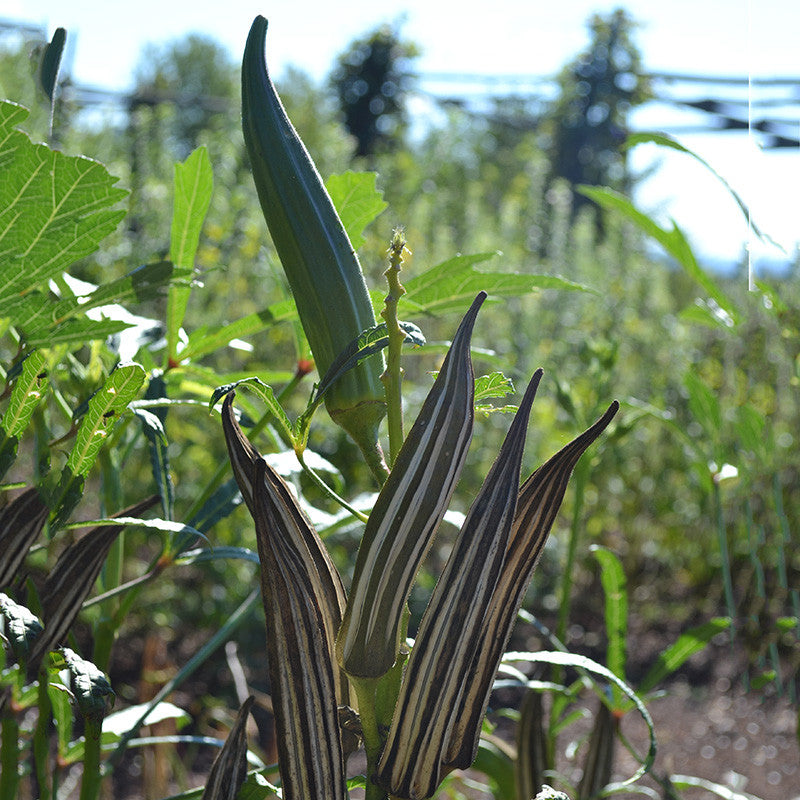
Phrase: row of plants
{"type": "Point", "coordinates": [111, 408]}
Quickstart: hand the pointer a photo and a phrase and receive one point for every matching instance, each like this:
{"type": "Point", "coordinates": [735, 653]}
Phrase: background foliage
{"type": "Point", "coordinates": [696, 491]}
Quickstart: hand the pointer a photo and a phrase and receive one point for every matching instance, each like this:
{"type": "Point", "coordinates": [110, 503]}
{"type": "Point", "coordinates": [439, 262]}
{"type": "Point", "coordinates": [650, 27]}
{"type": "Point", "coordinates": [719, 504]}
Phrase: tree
{"type": "Point", "coordinates": [587, 122]}
{"type": "Point", "coordinates": [371, 79]}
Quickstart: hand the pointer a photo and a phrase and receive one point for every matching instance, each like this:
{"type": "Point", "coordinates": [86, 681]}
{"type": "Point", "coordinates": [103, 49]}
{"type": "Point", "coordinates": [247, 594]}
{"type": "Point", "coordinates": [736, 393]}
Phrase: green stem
{"type": "Point", "coordinates": [365, 689]}
{"type": "Point", "coordinates": [392, 377]}
{"type": "Point", "coordinates": [90, 783]}
{"type": "Point", "coordinates": [41, 740]}
{"type": "Point", "coordinates": [727, 580]}
{"type": "Point", "coordinates": [9, 756]}
{"type": "Point", "coordinates": [328, 491]}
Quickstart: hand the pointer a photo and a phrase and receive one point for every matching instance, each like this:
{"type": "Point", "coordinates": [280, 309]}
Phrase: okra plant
{"type": "Point", "coordinates": [420, 705]}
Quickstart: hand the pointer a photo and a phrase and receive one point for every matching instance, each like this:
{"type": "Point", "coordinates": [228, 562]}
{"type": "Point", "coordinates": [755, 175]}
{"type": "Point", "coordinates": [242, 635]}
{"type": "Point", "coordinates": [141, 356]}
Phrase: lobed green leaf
{"type": "Point", "coordinates": [54, 208]}
{"type": "Point", "coordinates": [357, 201]}
{"type": "Point", "coordinates": [449, 286]}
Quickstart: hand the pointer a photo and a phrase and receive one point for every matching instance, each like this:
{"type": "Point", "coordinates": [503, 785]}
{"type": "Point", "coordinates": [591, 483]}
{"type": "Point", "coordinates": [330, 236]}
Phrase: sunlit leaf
{"type": "Point", "coordinates": [54, 208]}
{"type": "Point", "coordinates": [449, 286]}
{"type": "Point", "coordinates": [684, 648]}
{"type": "Point", "coordinates": [193, 185]}
{"type": "Point", "coordinates": [357, 201]}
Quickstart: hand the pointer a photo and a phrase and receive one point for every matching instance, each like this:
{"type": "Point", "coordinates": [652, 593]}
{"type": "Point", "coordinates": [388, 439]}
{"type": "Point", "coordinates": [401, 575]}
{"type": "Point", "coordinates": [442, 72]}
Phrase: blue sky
{"type": "Point", "coordinates": [715, 37]}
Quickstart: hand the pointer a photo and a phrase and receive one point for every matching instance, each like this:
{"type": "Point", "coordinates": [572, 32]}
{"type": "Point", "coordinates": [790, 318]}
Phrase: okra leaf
{"type": "Point", "coordinates": [54, 208]}
{"type": "Point", "coordinates": [121, 722]}
{"type": "Point", "coordinates": [104, 408]}
{"type": "Point", "coordinates": [612, 577]}
{"type": "Point", "coordinates": [205, 554]}
{"type": "Point", "coordinates": [161, 525]}
{"type": "Point", "coordinates": [61, 709]}
{"type": "Point", "coordinates": [44, 320]}
{"type": "Point", "coordinates": [357, 201]}
{"type": "Point", "coordinates": [222, 503]}
{"type": "Point", "coordinates": [704, 405]}
{"type": "Point", "coordinates": [452, 284]}
{"type": "Point", "coordinates": [29, 389]}
{"type": "Point", "coordinates": [368, 343]}
{"type": "Point", "coordinates": [491, 386]}
{"type": "Point", "coordinates": [193, 184]}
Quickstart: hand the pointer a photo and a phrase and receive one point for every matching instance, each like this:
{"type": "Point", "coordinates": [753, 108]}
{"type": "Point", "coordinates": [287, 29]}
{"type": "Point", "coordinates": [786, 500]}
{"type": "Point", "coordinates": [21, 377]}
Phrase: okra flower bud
{"type": "Point", "coordinates": [317, 257]}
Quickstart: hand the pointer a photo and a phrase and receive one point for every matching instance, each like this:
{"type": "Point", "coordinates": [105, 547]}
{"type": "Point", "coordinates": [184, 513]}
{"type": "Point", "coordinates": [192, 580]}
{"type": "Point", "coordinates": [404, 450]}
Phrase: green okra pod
{"type": "Point", "coordinates": [319, 261]}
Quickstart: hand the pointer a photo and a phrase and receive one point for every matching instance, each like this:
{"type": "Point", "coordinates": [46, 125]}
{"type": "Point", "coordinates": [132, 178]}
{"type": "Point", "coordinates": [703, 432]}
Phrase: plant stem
{"type": "Point", "coordinates": [90, 783]}
{"type": "Point", "coordinates": [392, 377]}
{"type": "Point", "coordinates": [41, 745]}
{"type": "Point", "coordinates": [727, 580]}
{"type": "Point", "coordinates": [365, 689]}
{"type": "Point", "coordinates": [9, 756]}
{"type": "Point", "coordinates": [327, 489]}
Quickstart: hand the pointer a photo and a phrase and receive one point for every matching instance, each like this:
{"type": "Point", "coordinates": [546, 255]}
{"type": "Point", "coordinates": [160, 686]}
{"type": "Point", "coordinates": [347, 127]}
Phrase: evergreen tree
{"type": "Point", "coordinates": [371, 79]}
{"type": "Point", "coordinates": [587, 123]}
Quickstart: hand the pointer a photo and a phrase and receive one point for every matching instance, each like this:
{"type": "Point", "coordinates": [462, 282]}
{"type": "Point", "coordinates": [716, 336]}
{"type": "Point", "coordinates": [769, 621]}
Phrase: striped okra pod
{"type": "Point", "coordinates": [303, 597]}
{"type": "Point", "coordinates": [317, 257]}
{"type": "Point", "coordinates": [407, 513]}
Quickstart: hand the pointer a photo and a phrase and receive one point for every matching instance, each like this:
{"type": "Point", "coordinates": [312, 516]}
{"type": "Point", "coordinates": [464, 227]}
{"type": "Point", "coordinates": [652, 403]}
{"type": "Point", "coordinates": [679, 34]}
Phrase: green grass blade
{"type": "Point", "coordinates": [614, 584]}
{"type": "Point", "coordinates": [686, 646]}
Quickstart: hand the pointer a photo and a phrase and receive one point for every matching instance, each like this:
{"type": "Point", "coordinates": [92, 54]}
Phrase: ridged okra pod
{"type": "Point", "coordinates": [320, 263]}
